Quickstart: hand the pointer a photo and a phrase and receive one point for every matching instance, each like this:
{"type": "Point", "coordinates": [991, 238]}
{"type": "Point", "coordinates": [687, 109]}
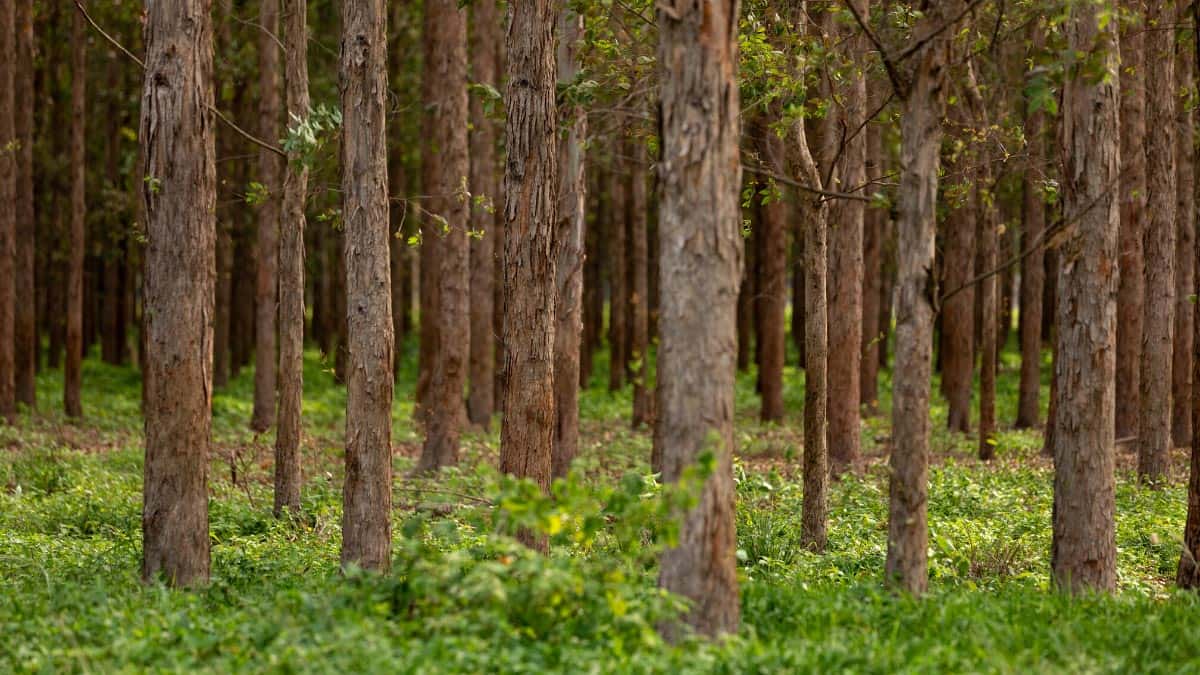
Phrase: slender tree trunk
{"type": "Point", "coordinates": [485, 39]}
{"type": "Point", "coordinates": [618, 356]}
{"type": "Point", "coordinates": [179, 198]}
{"type": "Point", "coordinates": [531, 186]}
{"type": "Point", "coordinates": [25, 328]}
{"type": "Point", "coordinates": [773, 294]}
{"type": "Point", "coordinates": [873, 225]}
{"type": "Point", "coordinates": [8, 185]}
{"type": "Point", "coordinates": [745, 309]}
{"type": "Point", "coordinates": [446, 63]}
{"type": "Point", "coordinates": [1185, 270]}
{"type": "Point", "coordinates": [569, 234]}
{"type": "Point", "coordinates": [1188, 574]}
{"type": "Point", "coordinates": [639, 285]}
{"type": "Point", "coordinates": [958, 334]}
{"type": "Point", "coordinates": [799, 302]}
{"type": "Point", "coordinates": [921, 132]}
{"type": "Point", "coordinates": [1133, 214]}
{"type": "Point", "coordinates": [222, 313]}
{"type": "Point", "coordinates": [1083, 549]}
{"type": "Point", "coordinates": [1033, 220]}
{"type": "Point", "coordinates": [1158, 241]}
{"type": "Point", "coordinates": [593, 291]}
{"type": "Point", "coordinates": [988, 338]}
{"type": "Point", "coordinates": [288, 478]}
{"type": "Point", "coordinates": [367, 492]}
{"type": "Point", "coordinates": [700, 249]}
{"type": "Point", "coordinates": [73, 375]}
{"type": "Point", "coordinates": [270, 170]}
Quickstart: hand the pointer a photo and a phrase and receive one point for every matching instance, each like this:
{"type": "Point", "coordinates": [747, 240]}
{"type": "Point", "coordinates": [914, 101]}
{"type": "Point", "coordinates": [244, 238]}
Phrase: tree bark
{"type": "Point", "coordinates": [569, 234]}
{"type": "Point", "coordinates": [446, 131]}
{"type": "Point", "coordinates": [700, 249]}
{"type": "Point", "coordinates": [1188, 574]}
{"type": "Point", "coordinates": [485, 39]}
{"type": "Point", "coordinates": [73, 373]}
{"type": "Point", "coordinates": [25, 231]}
{"type": "Point", "coordinates": [773, 294]}
{"type": "Point", "coordinates": [367, 492]}
{"type": "Point", "coordinates": [618, 355]}
{"type": "Point", "coordinates": [8, 185]}
{"type": "Point", "coordinates": [288, 479]}
{"type": "Point", "coordinates": [639, 284]}
{"type": "Point", "coordinates": [874, 221]}
{"type": "Point", "coordinates": [531, 186]}
{"type": "Point", "coordinates": [179, 198]}
{"type": "Point", "coordinates": [1133, 215]}
{"type": "Point", "coordinates": [958, 311]}
{"type": "Point", "coordinates": [1158, 242]}
{"type": "Point", "coordinates": [1083, 549]}
{"type": "Point", "coordinates": [266, 304]}
{"type": "Point", "coordinates": [1033, 271]}
{"type": "Point", "coordinates": [922, 110]}
{"type": "Point", "coordinates": [1185, 270]}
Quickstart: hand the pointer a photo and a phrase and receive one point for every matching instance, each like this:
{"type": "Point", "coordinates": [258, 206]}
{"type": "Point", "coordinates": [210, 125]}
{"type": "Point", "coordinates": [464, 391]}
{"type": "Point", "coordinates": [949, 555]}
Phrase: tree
{"type": "Point", "coordinates": [291, 267]}
{"type": "Point", "coordinates": [700, 253]}
{"type": "Point", "coordinates": [445, 177]}
{"type": "Point", "coordinates": [618, 355]}
{"type": "Point", "coordinates": [1083, 549]}
{"type": "Point", "coordinates": [73, 374]}
{"type": "Point", "coordinates": [569, 235]}
{"type": "Point", "coordinates": [638, 305]}
{"type": "Point", "coordinates": [531, 186]}
{"type": "Point", "coordinates": [773, 294]}
{"type": "Point", "coordinates": [1133, 213]}
{"type": "Point", "coordinates": [178, 198]}
{"type": "Point", "coordinates": [367, 492]}
{"type": "Point", "coordinates": [1033, 224]}
{"type": "Point", "coordinates": [1188, 574]}
{"type": "Point", "coordinates": [266, 303]}
{"type": "Point", "coordinates": [25, 325]}
{"type": "Point", "coordinates": [1158, 316]}
{"type": "Point", "coordinates": [922, 94]}
{"type": "Point", "coordinates": [485, 39]}
{"type": "Point", "coordinates": [958, 334]}
{"type": "Point", "coordinates": [874, 226]}
{"type": "Point", "coordinates": [8, 61]}
{"type": "Point", "coordinates": [1185, 264]}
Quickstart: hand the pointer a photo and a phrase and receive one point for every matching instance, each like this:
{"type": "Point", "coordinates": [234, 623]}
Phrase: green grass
{"type": "Point", "coordinates": [464, 597]}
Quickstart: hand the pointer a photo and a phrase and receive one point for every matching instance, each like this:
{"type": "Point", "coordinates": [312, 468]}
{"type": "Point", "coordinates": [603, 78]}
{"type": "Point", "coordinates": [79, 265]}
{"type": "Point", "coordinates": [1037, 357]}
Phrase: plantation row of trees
{"type": "Point", "coordinates": [540, 180]}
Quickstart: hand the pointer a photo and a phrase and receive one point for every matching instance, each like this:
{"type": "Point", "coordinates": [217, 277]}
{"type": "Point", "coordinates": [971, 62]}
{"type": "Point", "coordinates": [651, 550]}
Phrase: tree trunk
{"type": "Point", "coordinates": [799, 302]}
{"type": "Point", "coordinates": [593, 281]}
{"type": "Point", "coordinates": [446, 131]}
{"type": "Point", "coordinates": [1133, 213]}
{"type": "Point", "coordinates": [266, 304]}
{"type": "Point", "coordinates": [485, 39]}
{"type": "Point", "coordinates": [745, 307]}
{"type": "Point", "coordinates": [73, 374]}
{"type": "Point", "coordinates": [874, 221]}
{"type": "Point", "coordinates": [639, 284]}
{"type": "Point", "coordinates": [617, 354]}
{"type": "Point", "coordinates": [984, 196]}
{"type": "Point", "coordinates": [1083, 549]}
{"type": "Point", "coordinates": [958, 311]}
{"type": "Point", "coordinates": [531, 186]}
{"type": "Point", "coordinates": [222, 312]}
{"type": "Point", "coordinates": [8, 185]}
{"type": "Point", "coordinates": [1158, 242]}
{"type": "Point", "coordinates": [700, 249]}
{"type": "Point", "coordinates": [24, 263]}
{"type": "Point", "coordinates": [367, 492]}
{"type": "Point", "coordinates": [179, 198]}
{"type": "Point", "coordinates": [1033, 271]}
{"type": "Point", "coordinates": [773, 293]}
{"type": "Point", "coordinates": [569, 234]}
{"type": "Point", "coordinates": [1185, 270]}
{"type": "Point", "coordinates": [921, 131]}
{"type": "Point", "coordinates": [288, 477]}
{"type": "Point", "coordinates": [1188, 574]}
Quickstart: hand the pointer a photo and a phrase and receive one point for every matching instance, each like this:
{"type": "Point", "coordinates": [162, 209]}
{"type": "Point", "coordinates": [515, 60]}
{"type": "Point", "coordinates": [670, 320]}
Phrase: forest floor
{"type": "Point", "coordinates": [464, 597]}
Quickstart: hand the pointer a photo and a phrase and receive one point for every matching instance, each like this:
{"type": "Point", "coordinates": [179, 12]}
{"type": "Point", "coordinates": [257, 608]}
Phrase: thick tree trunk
{"type": "Point", "coordinates": [773, 294]}
{"type": "Point", "coordinates": [485, 39]}
{"type": "Point", "coordinates": [921, 132]}
{"type": "Point", "coordinates": [1158, 241]}
{"type": "Point", "coordinates": [531, 186]}
{"type": "Point", "coordinates": [569, 236]}
{"type": "Point", "coordinates": [1188, 574]}
{"type": "Point", "coordinates": [8, 184]}
{"type": "Point", "coordinates": [1185, 269]}
{"type": "Point", "coordinates": [179, 198]}
{"type": "Point", "coordinates": [639, 285]}
{"type": "Point", "coordinates": [446, 131]}
{"type": "Point", "coordinates": [288, 477]}
{"type": "Point", "coordinates": [73, 374]}
{"type": "Point", "coordinates": [367, 492]}
{"type": "Point", "coordinates": [1083, 550]}
{"type": "Point", "coordinates": [1133, 216]}
{"type": "Point", "coordinates": [1033, 271]}
{"type": "Point", "coordinates": [25, 328]}
{"type": "Point", "coordinates": [270, 170]}
{"type": "Point", "coordinates": [618, 355]}
{"type": "Point", "coordinates": [700, 249]}
{"type": "Point", "coordinates": [958, 311]}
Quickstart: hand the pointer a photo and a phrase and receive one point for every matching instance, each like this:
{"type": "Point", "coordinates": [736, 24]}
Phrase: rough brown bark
{"type": "Point", "coordinates": [1158, 243]}
{"type": "Point", "coordinates": [958, 311]}
{"type": "Point", "coordinates": [1083, 549]}
{"type": "Point", "coordinates": [25, 323]}
{"type": "Point", "coordinates": [222, 313]}
{"type": "Point", "coordinates": [73, 373]}
{"type": "Point", "coordinates": [8, 401]}
{"type": "Point", "coordinates": [1033, 270]}
{"type": "Point", "coordinates": [485, 39]}
{"type": "Point", "coordinates": [531, 186]}
{"type": "Point", "coordinates": [179, 198]}
{"type": "Point", "coordinates": [772, 303]}
{"type": "Point", "coordinates": [1188, 574]}
{"type": "Point", "coordinates": [700, 254]}
{"type": "Point", "coordinates": [618, 356]}
{"type": "Point", "coordinates": [270, 172]}
{"type": "Point", "coordinates": [288, 477]}
{"type": "Point", "coordinates": [1185, 270]}
{"type": "Point", "coordinates": [446, 135]}
{"type": "Point", "coordinates": [639, 284]}
{"type": "Point", "coordinates": [569, 236]}
{"type": "Point", "coordinates": [367, 492]}
{"type": "Point", "coordinates": [923, 104]}
{"type": "Point", "coordinates": [1133, 215]}
{"type": "Point", "coordinates": [874, 221]}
